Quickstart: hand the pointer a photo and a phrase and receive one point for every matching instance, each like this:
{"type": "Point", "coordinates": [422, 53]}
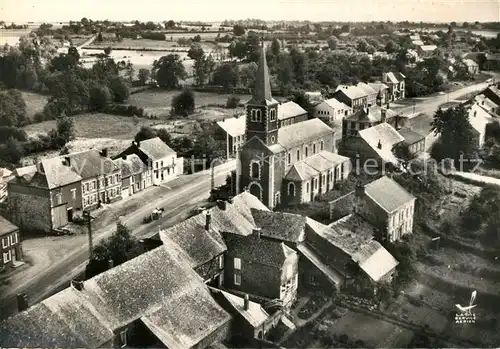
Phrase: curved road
{"type": "Point", "coordinates": [178, 204]}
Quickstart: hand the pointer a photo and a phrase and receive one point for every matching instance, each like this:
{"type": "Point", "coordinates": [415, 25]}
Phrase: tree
{"type": "Point", "coordinates": [457, 138]}
{"type": "Point", "coordinates": [13, 151]}
{"type": "Point", "coordinates": [238, 49]}
{"type": "Point", "coordinates": [227, 76]}
{"type": "Point", "coordinates": [144, 75]}
{"type": "Point", "coordinates": [302, 99]}
{"type": "Point", "coordinates": [129, 71]}
{"type": "Point", "coordinates": [238, 30]}
{"type": "Point", "coordinates": [163, 134]}
{"type": "Point", "coordinates": [65, 130]}
{"type": "Point", "coordinates": [119, 89]}
{"type": "Point", "coordinates": [100, 97]}
{"type": "Point", "coordinates": [118, 248]}
{"type": "Point", "coordinates": [362, 45]}
{"type": "Point", "coordinates": [184, 103]}
{"type": "Point", "coordinates": [12, 109]}
{"type": "Point", "coordinates": [275, 47]}
{"type": "Point", "coordinates": [232, 102]}
{"type": "Point", "coordinates": [332, 42]}
{"type": "Point", "coordinates": [168, 70]}
{"type": "Point", "coordinates": [107, 51]}
{"type": "Point", "coordinates": [196, 52]}
{"type": "Point", "coordinates": [402, 152]}
{"type": "Point", "coordinates": [248, 74]}
{"type": "Point", "coordinates": [146, 132]}
{"type": "Point", "coordinates": [392, 47]}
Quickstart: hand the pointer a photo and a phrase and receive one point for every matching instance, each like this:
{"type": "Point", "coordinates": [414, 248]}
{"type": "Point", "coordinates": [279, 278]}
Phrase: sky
{"type": "Point", "coordinates": [217, 10]}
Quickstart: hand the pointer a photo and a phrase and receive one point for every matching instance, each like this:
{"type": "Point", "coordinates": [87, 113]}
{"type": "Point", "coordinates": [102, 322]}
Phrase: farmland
{"type": "Point", "coordinates": [146, 44]}
{"type": "Point", "coordinates": [34, 102]}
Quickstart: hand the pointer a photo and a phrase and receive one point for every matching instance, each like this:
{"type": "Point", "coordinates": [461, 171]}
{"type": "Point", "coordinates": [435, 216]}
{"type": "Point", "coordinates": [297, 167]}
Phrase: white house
{"type": "Point", "coordinates": [479, 118]}
{"type": "Point", "coordinates": [332, 110]}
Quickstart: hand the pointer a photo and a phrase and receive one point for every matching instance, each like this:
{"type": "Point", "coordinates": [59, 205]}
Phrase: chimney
{"type": "Point", "coordinates": [22, 302]}
{"type": "Point", "coordinates": [67, 161]}
{"type": "Point", "coordinates": [246, 303]}
{"type": "Point", "coordinates": [124, 157]}
{"type": "Point", "coordinates": [221, 204]}
{"type": "Point", "coordinates": [256, 232]}
{"type": "Point", "coordinates": [208, 220]}
{"type": "Point", "coordinates": [104, 152]}
{"type": "Point", "coordinates": [379, 145]}
{"type": "Point", "coordinates": [136, 144]}
{"type": "Point", "coordinates": [383, 115]}
{"type": "Point", "coordinates": [111, 263]}
{"type": "Point", "coordinates": [78, 285]}
{"type": "Point", "coordinates": [360, 190]}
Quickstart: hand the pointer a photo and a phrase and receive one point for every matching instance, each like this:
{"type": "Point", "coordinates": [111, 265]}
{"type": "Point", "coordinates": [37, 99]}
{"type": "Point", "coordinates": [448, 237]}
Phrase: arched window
{"type": "Point", "coordinates": [273, 139]}
{"type": "Point", "coordinates": [289, 158]}
{"type": "Point", "coordinates": [298, 154]}
{"type": "Point", "coordinates": [314, 148]}
{"type": "Point", "coordinates": [321, 145]}
{"type": "Point", "coordinates": [273, 114]}
{"type": "Point", "coordinates": [258, 115]}
{"type": "Point", "coordinates": [291, 189]}
{"type": "Point", "coordinates": [306, 151]}
{"type": "Point", "coordinates": [255, 170]}
{"type": "Point", "coordinates": [307, 187]}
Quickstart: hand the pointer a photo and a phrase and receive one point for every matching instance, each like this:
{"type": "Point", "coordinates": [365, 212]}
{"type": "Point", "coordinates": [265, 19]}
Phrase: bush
{"type": "Point", "coordinates": [232, 102]}
{"type": "Point", "coordinates": [125, 110]}
{"type": "Point", "coordinates": [184, 103]}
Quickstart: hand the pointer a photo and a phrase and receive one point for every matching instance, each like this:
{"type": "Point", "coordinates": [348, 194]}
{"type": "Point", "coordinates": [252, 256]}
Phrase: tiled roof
{"type": "Point", "coordinates": [335, 104]}
{"type": "Point", "coordinates": [302, 132]}
{"type": "Point", "coordinates": [479, 118]}
{"type": "Point", "coordinates": [421, 124]}
{"type": "Point", "coordinates": [90, 163]}
{"type": "Point", "coordinates": [374, 260]}
{"type": "Point", "coordinates": [372, 114]}
{"type": "Point", "coordinates": [255, 315]}
{"type": "Point", "coordinates": [58, 174]}
{"type": "Point", "coordinates": [21, 171]}
{"type": "Point", "coordinates": [289, 109]}
{"type": "Point", "coordinates": [234, 126]}
{"type": "Point", "coordinates": [155, 148]}
{"type": "Point", "coordinates": [280, 225]}
{"type": "Point", "coordinates": [367, 88]}
{"type": "Point", "coordinates": [314, 165]}
{"type": "Point", "coordinates": [258, 250]}
{"type": "Point", "coordinates": [352, 92]}
{"type": "Point", "coordinates": [131, 165]}
{"type": "Point", "coordinates": [388, 194]}
{"type": "Point", "coordinates": [377, 86]}
{"type": "Point", "coordinates": [485, 102]}
{"type": "Point", "coordinates": [410, 136]}
{"type": "Point", "coordinates": [354, 236]}
{"type": "Point", "coordinates": [6, 227]}
{"type": "Point", "coordinates": [385, 135]}
{"type": "Point", "coordinates": [185, 320]}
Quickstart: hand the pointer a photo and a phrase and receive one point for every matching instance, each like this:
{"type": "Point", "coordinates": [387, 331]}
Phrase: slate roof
{"type": "Point", "coordinates": [131, 165]}
{"type": "Point", "coordinates": [395, 77]}
{"type": "Point", "coordinates": [6, 227]}
{"type": "Point", "coordinates": [290, 109]}
{"type": "Point", "coordinates": [411, 137]}
{"type": "Point", "coordinates": [90, 163]}
{"type": "Point", "coordinates": [185, 320]}
{"type": "Point", "coordinates": [258, 250]}
{"type": "Point", "coordinates": [22, 171]}
{"type": "Point", "coordinates": [336, 104]}
{"type": "Point", "coordinates": [354, 236]}
{"type": "Point", "coordinates": [485, 102]}
{"type": "Point", "coordinates": [300, 133]}
{"type": "Point", "coordinates": [421, 124]}
{"type": "Point", "coordinates": [255, 315]}
{"type": "Point", "coordinates": [352, 92]}
{"type": "Point", "coordinates": [155, 148]}
{"type": "Point", "coordinates": [388, 194]}
{"type": "Point", "coordinates": [262, 90]}
{"type": "Point", "coordinates": [384, 134]}
{"type": "Point", "coordinates": [314, 165]}
{"type": "Point", "coordinates": [282, 226]}
{"type": "Point", "coordinates": [377, 86]}
{"type": "Point", "coordinates": [57, 174]}
{"type": "Point", "coordinates": [234, 126]}
{"type": "Point", "coordinates": [367, 88]}
{"type": "Point", "coordinates": [371, 114]}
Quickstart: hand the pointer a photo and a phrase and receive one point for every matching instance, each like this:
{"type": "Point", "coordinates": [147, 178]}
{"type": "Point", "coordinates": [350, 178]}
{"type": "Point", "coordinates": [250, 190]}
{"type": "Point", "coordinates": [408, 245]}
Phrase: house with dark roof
{"type": "Point", "coordinates": [265, 269]}
{"type": "Point", "coordinates": [396, 84]}
{"type": "Point", "coordinates": [45, 197]}
{"type": "Point", "coordinates": [366, 118]}
{"type": "Point", "coordinates": [159, 157]}
{"type": "Point", "coordinates": [421, 124]}
{"type": "Point", "coordinates": [387, 206]}
{"type": "Point", "coordinates": [353, 96]}
{"type": "Point", "coordinates": [414, 140]}
{"type": "Point", "coordinates": [135, 175]}
{"type": "Point", "coordinates": [271, 150]}
{"type": "Point", "coordinates": [346, 254]}
{"type": "Point", "coordinates": [154, 300]}
{"type": "Point", "coordinates": [101, 178]}
{"type": "Point", "coordinates": [11, 247]}
{"type": "Point", "coordinates": [493, 93]}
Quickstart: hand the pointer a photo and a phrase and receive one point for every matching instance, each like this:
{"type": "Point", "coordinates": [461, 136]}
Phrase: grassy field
{"type": "Point", "coordinates": [34, 102]}
{"type": "Point", "coordinates": [159, 101]}
{"type": "Point", "coordinates": [148, 44]}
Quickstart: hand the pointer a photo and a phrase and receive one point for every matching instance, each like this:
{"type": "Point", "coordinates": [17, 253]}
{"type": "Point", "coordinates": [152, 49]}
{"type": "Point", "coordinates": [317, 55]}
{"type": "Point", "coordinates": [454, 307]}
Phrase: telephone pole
{"type": "Point", "coordinates": [86, 214]}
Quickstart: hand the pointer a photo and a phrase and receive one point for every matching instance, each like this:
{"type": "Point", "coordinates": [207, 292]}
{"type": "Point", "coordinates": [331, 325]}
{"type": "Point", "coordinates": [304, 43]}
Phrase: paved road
{"type": "Point", "coordinates": [178, 204]}
{"type": "Point", "coordinates": [429, 105]}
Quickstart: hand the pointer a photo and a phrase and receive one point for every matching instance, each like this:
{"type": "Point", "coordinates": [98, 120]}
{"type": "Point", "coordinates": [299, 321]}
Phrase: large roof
{"type": "Point", "coordinates": [374, 260]}
{"type": "Point", "coordinates": [155, 148]}
{"type": "Point", "coordinates": [336, 104]}
{"type": "Point", "coordinates": [421, 124]}
{"type": "Point", "coordinates": [352, 92]}
{"type": "Point", "coordinates": [255, 315]}
{"type": "Point", "coordinates": [371, 114]}
{"type": "Point", "coordinates": [314, 165]}
{"type": "Point", "coordinates": [381, 138]}
{"type": "Point", "coordinates": [388, 194]}
{"type": "Point", "coordinates": [411, 136]}
{"type": "Point", "coordinates": [301, 132]}
{"type": "Point", "coordinates": [367, 88]}
{"type": "Point", "coordinates": [6, 227]}
{"type": "Point", "coordinates": [280, 225]}
{"type": "Point", "coordinates": [131, 165]}
{"type": "Point", "coordinates": [90, 163]}
{"type": "Point", "coordinates": [289, 109]}
{"type": "Point", "coordinates": [234, 126]}
{"type": "Point", "coordinates": [57, 173]}
{"type": "Point", "coordinates": [262, 90]}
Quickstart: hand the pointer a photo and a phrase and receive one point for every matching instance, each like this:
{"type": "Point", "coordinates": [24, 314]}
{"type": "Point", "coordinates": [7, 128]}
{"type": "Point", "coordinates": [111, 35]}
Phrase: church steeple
{"type": "Point", "coordinates": [262, 90]}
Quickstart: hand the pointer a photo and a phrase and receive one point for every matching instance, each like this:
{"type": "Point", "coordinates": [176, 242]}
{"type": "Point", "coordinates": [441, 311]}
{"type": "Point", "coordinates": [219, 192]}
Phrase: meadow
{"type": "Point", "coordinates": [34, 102]}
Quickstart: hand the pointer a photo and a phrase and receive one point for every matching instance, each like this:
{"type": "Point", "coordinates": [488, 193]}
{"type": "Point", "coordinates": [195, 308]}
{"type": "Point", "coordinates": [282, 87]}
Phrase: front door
{"type": "Point", "coordinates": [70, 214]}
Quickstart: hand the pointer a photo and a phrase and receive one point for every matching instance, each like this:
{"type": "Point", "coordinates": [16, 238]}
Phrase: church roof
{"type": "Point", "coordinates": [300, 133]}
{"type": "Point", "coordinates": [314, 165]}
{"type": "Point", "coordinates": [262, 90]}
